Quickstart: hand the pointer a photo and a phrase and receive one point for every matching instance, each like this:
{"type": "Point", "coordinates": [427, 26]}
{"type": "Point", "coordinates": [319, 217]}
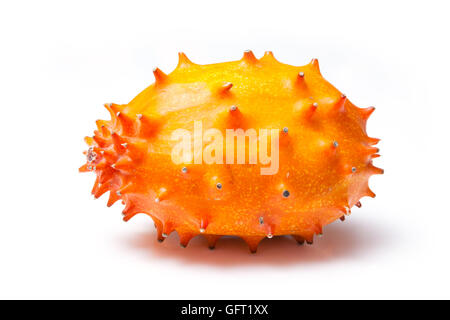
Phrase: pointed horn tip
{"type": "Point", "coordinates": [370, 193]}
{"type": "Point", "coordinates": [183, 59]}
{"type": "Point", "coordinates": [367, 112]}
{"type": "Point", "coordinates": [370, 109]}
{"type": "Point", "coordinates": [249, 56]}
{"type": "Point", "coordinates": [225, 87]}
{"type": "Point", "coordinates": [268, 55]}
{"type": "Point", "coordinates": [375, 140]}
{"type": "Point", "coordinates": [315, 64]}
{"type": "Point", "coordinates": [159, 75]}
{"type": "Point", "coordinates": [120, 115]}
{"type": "Point", "coordinates": [340, 103]}
{"type": "Point", "coordinates": [128, 215]}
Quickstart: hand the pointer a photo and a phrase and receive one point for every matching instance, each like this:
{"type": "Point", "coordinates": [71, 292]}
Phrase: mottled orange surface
{"type": "Point", "coordinates": [325, 157]}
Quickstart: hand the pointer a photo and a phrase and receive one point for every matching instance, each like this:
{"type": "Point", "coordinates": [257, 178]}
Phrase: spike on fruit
{"type": "Point", "coordinates": [268, 57]}
{"type": "Point", "coordinates": [127, 124]}
{"type": "Point", "coordinates": [212, 241]}
{"type": "Point", "coordinates": [183, 60]}
{"type": "Point", "coordinates": [185, 237]}
{"type": "Point", "coordinates": [160, 77]}
{"type": "Point", "coordinates": [311, 110]}
{"type": "Point", "coordinates": [249, 57]}
{"type": "Point", "coordinates": [301, 83]}
{"type": "Point", "coordinates": [167, 229]}
{"type": "Point", "coordinates": [315, 65]}
{"type": "Point", "coordinates": [300, 240]}
{"type": "Point", "coordinates": [365, 113]}
{"type": "Point", "coordinates": [325, 156]}
{"type": "Point", "coordinates": [253, 242]}
{"type": "Point", "coordinates": [225, 88]}
{"type": "Point", "coordinates": [340, 104]}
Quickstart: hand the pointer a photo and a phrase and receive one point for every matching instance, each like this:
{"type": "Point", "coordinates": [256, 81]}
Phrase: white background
{"type": "Point", "coordinates": [61, 60]}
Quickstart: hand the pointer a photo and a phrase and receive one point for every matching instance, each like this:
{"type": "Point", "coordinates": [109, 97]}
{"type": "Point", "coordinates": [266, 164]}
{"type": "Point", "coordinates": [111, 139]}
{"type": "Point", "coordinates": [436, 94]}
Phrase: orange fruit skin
{"type": "Point", "coordinates": [325, 157]}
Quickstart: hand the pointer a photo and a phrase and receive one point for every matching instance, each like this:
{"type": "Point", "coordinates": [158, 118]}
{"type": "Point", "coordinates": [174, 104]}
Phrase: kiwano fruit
{"type": "Point", "coordinates": [321, 154]}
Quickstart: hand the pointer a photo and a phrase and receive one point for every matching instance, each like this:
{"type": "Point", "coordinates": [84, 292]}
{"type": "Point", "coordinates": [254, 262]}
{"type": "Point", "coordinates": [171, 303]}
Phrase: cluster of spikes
{"type": "Point", "coordinates": [325, 153]}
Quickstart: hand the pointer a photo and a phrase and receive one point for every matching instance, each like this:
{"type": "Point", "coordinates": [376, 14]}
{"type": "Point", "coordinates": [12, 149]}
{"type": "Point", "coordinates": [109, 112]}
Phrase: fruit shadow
{"type": "Point", "coordinates": [346, 240]}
